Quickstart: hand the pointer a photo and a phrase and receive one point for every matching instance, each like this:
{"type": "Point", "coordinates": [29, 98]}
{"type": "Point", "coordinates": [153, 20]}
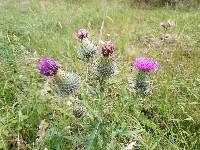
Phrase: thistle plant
{"type": "Point", "coordinates": [105, 67]}
{"type": "Point", "coordinates": [144, 65]}
{"type": "Point", "coordinates": [87, 49]}
{"type": "Point", "coordinates": [64, 83]}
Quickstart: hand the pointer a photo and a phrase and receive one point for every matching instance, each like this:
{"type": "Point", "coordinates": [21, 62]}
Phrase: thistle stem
{"type": "Point", "coordinates": [102, 84]}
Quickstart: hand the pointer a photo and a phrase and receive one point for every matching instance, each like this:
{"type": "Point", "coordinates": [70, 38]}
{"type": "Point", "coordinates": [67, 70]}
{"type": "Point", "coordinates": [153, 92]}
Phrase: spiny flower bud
{"type": "Point", "coordinates": [78, 110]}
{"type": "Point", "coordinates": [48, 67]}
{"type": "Point", "coordinates": [107, 48]}
{"type": "Point", "coordinates": [87, 49]}
{"type": "Point", "coordinates": [82, 33]}
{"type": "Point", "coordinates": [66, 83]}
{"type": "Point", "coordinates": [105, 68]}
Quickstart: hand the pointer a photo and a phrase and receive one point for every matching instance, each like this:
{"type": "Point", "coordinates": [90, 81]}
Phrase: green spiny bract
{"type": "Point", "coordinates": [105, 67]}
{"type": "Point", "coordinates": [66, 83]}
{"type": "Point", "coordinates": [87, 49]}
{"type": "Point", "coordinates": [142, 82]}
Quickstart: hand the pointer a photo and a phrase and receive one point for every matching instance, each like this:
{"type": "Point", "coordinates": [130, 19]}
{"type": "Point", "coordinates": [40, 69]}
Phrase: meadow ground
{"type": "Point", "coordinates": [114, 118]}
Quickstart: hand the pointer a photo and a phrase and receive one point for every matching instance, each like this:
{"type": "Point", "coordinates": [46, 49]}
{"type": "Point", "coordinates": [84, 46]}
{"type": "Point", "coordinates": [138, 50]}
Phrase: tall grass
{"type": "Point", "coordinates": [178, 4]}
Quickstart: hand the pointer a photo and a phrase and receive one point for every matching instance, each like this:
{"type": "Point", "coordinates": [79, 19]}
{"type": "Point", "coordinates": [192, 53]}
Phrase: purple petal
{"type": "Point", "coordinates": [48, 67]}
{"type": "Point", "coordinates": [145, 64]}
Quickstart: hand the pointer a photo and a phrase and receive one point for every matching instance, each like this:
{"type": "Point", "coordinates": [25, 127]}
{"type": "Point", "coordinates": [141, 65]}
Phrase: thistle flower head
{"type": "Point", "coordinates": [82, 33]}
{"type": "Point", "coordinates": [145, 64]}
{"type": "Point", "coordinates": [48, 67]}
{"type": "Point", "coordinates": [107, 48]}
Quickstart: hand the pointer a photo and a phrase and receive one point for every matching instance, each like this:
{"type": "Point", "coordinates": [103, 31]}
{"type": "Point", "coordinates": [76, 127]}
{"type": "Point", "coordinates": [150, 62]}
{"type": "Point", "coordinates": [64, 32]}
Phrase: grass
{"type": "Point", "coordinates": [33, 29]}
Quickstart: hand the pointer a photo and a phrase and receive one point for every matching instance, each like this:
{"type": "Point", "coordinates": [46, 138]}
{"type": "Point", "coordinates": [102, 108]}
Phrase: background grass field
{"type": "Point", "coordinates": [33, 29]}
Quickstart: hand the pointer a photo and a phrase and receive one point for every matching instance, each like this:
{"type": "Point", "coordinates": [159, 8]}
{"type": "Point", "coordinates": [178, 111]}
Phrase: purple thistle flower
{"type": "Point", "coordinates": [82, 33]}
{"type": "Point", "coordinates": [107, 48]}
{"type": "Point", "coordinates": [48, 67]}
{"type": "Point", "coordinates": [145, 64]}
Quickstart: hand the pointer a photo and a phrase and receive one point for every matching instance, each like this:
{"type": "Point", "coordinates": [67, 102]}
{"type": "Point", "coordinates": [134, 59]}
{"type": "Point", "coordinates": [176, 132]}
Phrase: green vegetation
{"type": "Point", "coordinates": [178, 4]}
{"type": "Point", "coordinates": [33, 117]}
